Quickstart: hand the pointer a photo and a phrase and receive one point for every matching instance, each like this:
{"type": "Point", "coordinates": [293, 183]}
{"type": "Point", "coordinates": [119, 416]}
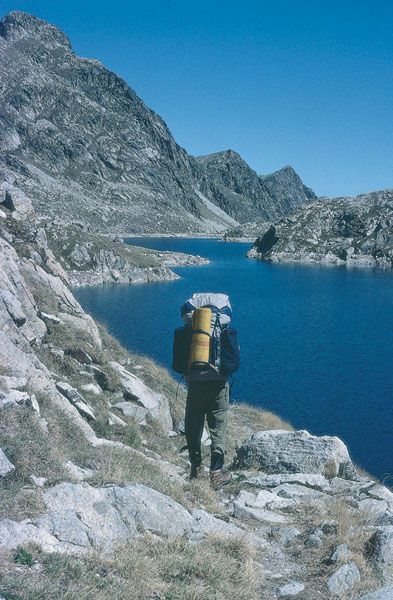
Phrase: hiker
{"type": "Point", "coordinates": [206, 352]}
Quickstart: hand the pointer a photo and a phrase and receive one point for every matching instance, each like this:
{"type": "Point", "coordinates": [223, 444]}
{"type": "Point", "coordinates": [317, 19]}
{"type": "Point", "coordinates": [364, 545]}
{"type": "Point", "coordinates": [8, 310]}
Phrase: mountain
{"type": "Point", "coordinates": [81, 142]}
{"type": "Point", "coordinates": [246, 196]}
{"type": "Point", "coordinates": [85, 146]}
{"type": "Point", "coordinates": [352, 231]}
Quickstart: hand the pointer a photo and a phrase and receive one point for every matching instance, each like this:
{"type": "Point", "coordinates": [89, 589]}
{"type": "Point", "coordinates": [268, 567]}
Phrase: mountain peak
{"type": "Point", "coordinates": [20, 25]}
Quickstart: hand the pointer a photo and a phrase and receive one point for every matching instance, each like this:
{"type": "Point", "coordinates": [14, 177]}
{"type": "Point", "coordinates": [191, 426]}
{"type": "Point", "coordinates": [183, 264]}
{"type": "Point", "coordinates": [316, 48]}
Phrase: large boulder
{"type": "Point", "coordinates": [343, 580]}
{"type": "Point", "coordinates": [135, 390]}
{"type": "Point", "coordinates": [380, 551]}
{"type": "Point", "coordinates": [280, 451]}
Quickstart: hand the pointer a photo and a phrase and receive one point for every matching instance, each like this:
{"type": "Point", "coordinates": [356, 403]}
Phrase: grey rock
{"type": "Point", "coordinates": [285, 535]}
{"type": "Point", "coordinates": [291, 589]}
{"type": "Point", "coordinates": [129, 409]}
{"type": "Point", "coordinates": [314, 540]}
{"type": "Point", "coordinates": [6, 466]}
{"type": "Point", "coordinates": [80, 518]}
{"type": "Point", "coordinates": [38, 481]}
{"type": "Point", "coordinates": [134, 389]}
{"type": "Point", "coordinates": [340, 553]}
{"type": "Point", "coordinates": [380, 551]}
{"type": "Point", "coordinates": [91, 388]}
{"type": "Point", "coordinates": [329, 527]}
{"type": "Point", "coordinates": [101, 377]}
{"type": "Point", "coordinates": [383, 593]}
{"type": "Point", "coordinates": [115, 420]}
{"type": "Point", "coordinates": [344, 579]}
{"type": "Point", "coordinates": [246, 506]}
{"type": "Point", "coordinates": [76, 472]}
{"type": "Point", "coordinates": [83, 325]}
{"type": "Point", "coordinates": [280, 451]}
{"type": "Point", "coordinates": [207, 524]}
{"type": "Point", "coordinates": [310, 480]}
{"type": "Point", "coordinates": [76, 399]}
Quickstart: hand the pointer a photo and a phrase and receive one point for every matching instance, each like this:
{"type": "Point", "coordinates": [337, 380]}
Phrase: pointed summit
{"type": "Point", "coordinates": [238, 190]}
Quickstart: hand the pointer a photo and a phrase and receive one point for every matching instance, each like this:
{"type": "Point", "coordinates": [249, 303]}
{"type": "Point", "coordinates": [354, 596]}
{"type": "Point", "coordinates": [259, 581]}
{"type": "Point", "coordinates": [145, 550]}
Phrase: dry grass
{"type": "Point", "coordinates": [148, 569]}
{"type": "Point", "coordinates": [32, 453]}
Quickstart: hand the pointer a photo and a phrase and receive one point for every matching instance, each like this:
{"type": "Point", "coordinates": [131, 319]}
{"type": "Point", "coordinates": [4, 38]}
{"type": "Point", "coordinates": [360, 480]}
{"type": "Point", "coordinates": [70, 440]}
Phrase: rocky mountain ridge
{"type": "Point", "coordinates": [77, 139]}
{"type": "Point", "coordinates": [341, 231]}
{"type": "Point", "coordinates": [244, 195]}
{"type": "Point", "coordinates": [94, 495]}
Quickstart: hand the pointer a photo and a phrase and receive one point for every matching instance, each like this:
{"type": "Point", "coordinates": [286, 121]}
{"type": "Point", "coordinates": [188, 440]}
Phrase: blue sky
{"type": "Point", "coordinates": [306, 83]}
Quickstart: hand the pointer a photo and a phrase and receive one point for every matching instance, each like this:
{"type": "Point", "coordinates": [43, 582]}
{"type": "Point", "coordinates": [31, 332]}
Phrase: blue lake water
{"type": "Point", "coordinates": [316, 342]}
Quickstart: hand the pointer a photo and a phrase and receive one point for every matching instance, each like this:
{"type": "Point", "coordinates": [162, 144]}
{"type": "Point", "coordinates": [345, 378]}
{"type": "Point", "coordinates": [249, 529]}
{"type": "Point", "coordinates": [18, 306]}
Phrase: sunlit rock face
{"type": "Point", "coordinates": [343, 231]}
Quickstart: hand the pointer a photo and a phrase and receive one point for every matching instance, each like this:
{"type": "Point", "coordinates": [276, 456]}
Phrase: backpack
{"type": "Point", "coordinates": [211, 352]}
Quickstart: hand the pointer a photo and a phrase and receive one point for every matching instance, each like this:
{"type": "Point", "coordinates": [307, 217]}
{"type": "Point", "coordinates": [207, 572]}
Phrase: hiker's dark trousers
{"type": "Point", "coordinates": [210, 400]}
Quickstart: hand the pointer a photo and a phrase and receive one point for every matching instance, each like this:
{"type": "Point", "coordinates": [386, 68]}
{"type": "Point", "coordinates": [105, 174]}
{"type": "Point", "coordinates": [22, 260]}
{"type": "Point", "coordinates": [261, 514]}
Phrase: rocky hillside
{"type": "Point", "coordinates": [246, 196]}
{"type": "Point", "coordinates": [343, 231]}
{"type": "Point", "coordinates": [95, 501]}
{"type": "Point", "coordinates": [77, 139]}
{"type": "Point", "coordinates": [84, 145]}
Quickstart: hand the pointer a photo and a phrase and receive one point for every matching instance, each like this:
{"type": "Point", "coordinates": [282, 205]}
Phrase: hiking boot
{"type": "Point", "coordinates": [219, 478]}
{"type": "Point", "coordinates": [196, 471]}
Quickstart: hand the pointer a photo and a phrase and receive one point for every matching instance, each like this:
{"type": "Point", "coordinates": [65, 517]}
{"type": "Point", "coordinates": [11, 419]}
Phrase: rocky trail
{"type": "Point", "coordinates": [92, 460]}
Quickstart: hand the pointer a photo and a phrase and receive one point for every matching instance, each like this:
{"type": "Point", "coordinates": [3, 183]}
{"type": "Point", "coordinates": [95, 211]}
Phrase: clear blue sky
{"type": "Point", "coordinates": [307, 83]}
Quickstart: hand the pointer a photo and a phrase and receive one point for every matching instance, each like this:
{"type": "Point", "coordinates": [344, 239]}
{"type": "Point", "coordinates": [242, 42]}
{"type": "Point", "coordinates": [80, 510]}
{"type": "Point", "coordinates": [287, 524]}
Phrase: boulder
{"type": "Point", "coordinates": [344, 579]}
{"type": "Point", "coordinates": [81, 518]}
{"type": "Point", "coordinates": [380, 551]}
{"type": "Point", "coordinates": [105, 517]}
{"type": "Point", "coordinates": [76, 400]}
{"type": "Point", "coordinates": [285, 535]}
{"type": "Point", "coordinates": [6, 466]}
{"type": "Point", "coordinates": [280, 451]}
{"type": "Point", "coordinates": [14, 200]}
{"type": "Point", "coordinates": [134, 389]}
{"type": "Point", "coordinates": [129, 409]}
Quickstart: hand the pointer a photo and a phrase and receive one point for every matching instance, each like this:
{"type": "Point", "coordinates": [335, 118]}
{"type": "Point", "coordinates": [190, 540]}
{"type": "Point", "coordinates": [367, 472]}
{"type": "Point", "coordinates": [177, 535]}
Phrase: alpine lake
{"type": "Point", "coordinates": [316, 342]}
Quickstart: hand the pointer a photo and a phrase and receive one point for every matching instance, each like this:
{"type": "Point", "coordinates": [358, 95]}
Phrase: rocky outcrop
{"type": "Point", "coordinates": [246, 196]}
{"type": "Point", "coordinates": [342, 231]}
{"type": "Point", "coordinates": [80, 518]}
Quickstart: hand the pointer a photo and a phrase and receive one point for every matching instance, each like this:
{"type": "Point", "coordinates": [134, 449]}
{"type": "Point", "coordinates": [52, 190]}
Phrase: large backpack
{"type": "Point", "coordinates": [223, 354]}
